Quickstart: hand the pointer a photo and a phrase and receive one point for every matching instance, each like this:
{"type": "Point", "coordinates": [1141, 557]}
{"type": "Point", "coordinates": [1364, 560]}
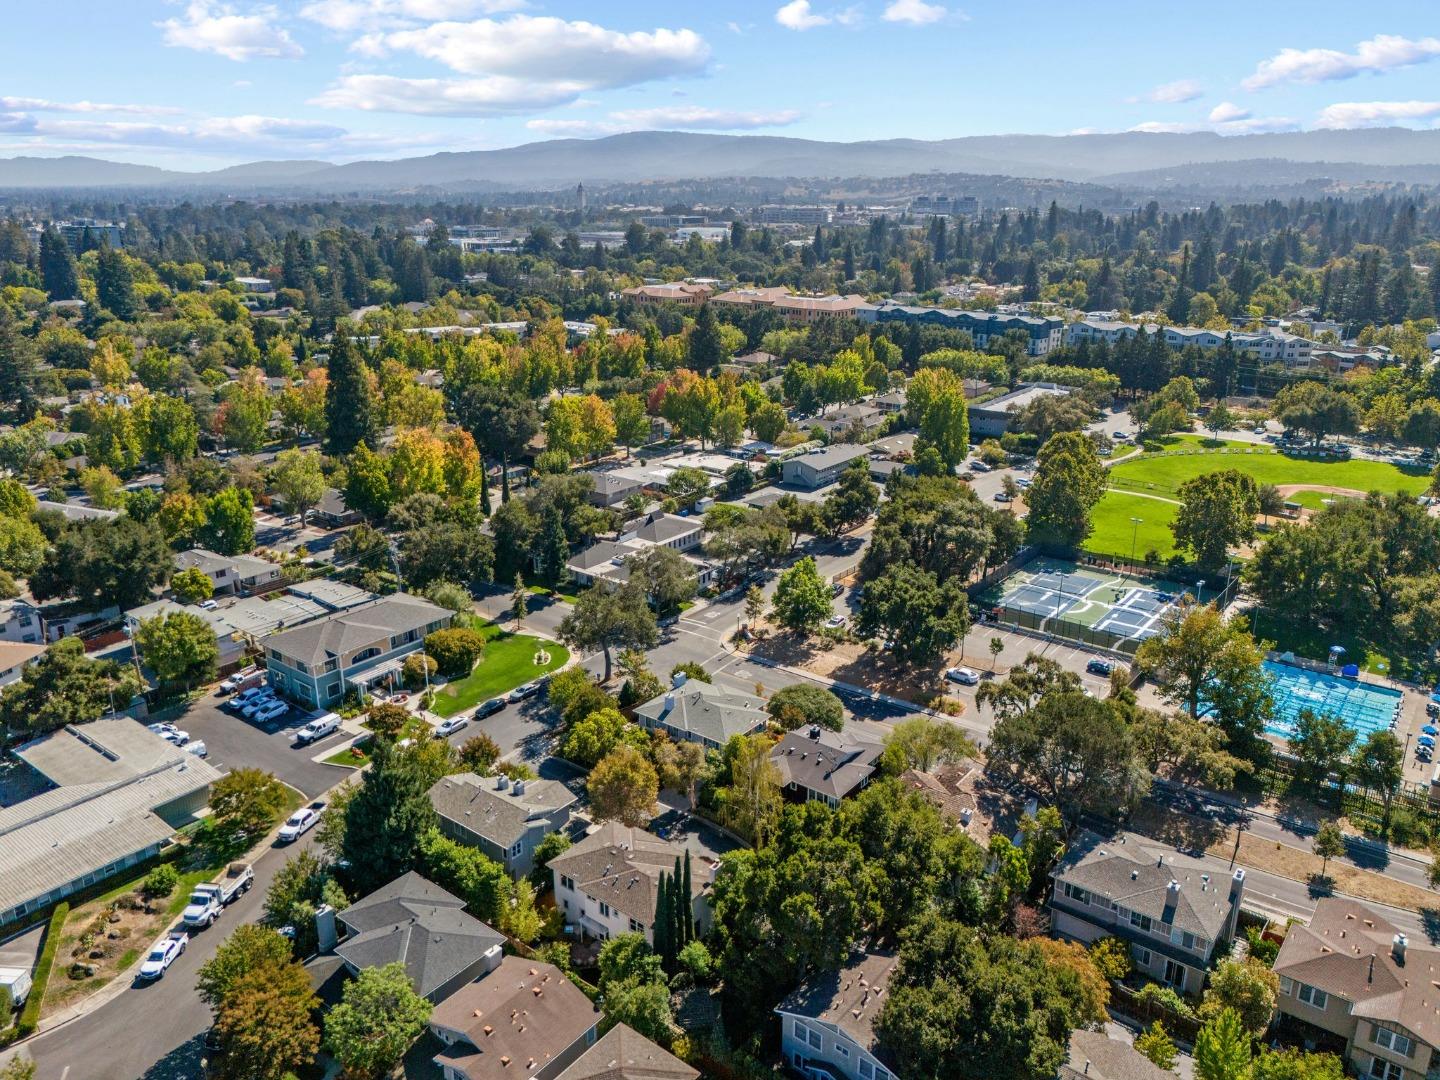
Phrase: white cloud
{"type": "Point", "coordinates": [1384, 52]}
{"type": "Point", "coordinates": [29, 104]}
{"type": "Point", "coordinates": [545, 49]}
{"type": "Point", "coordinates": [667, 118]}
{"type": "Point", "coordinates": [498, 95]}
{"type": "Point", "coordinates": [1357, 114]}
{"type": "Point", "coordinates": [349, 16]}
{"type": "Point", "coordinates": [1171, 93]}
{"type": "Point", "coordinates": [1246, 125]}
{"type": "Point", "coordinates": [1228, 112]}
{"type": "Point", "coordinates": [799, 15]}
{"type": "Point", "coordinates": [915, 12]}
{"type": "Point", "coordinates": [218, 28]}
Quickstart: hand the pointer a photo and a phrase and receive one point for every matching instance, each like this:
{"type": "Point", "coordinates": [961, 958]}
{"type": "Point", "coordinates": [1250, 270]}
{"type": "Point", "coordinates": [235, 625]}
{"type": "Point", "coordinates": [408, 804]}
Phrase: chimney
{"type": "Point", "coordinates": [1172, 893]}
{"type": "Point", "coordinates": [1397, 949]}
{"type": "Point", "coordinates": [679, 680]}
{"type": "Point", "coordinates": [1237, 888]}
{"type": "Point", "coordinates": [325, 928]}
{"type": "Point", "coordinates": [815, 731]}
{"type": "Point", "coordinates": [670, 701]}
{"type": "Point", "coordinates": [502, 782]}
{"type": "Point", "coordinates": [1370, 977]}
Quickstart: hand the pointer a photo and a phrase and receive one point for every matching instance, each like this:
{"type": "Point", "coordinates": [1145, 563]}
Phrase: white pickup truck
{"type": "Point", "coordinates": [207, 901]}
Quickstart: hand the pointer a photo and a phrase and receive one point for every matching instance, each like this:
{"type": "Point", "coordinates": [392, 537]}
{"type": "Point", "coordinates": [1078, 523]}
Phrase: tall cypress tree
{"type": "Point", "coordinates": [677, 908]}
{"type": "Point", "coordinates": [663, 947]}
{"type": "Point", "coordinates": [57, 266]}
{"type": "Point", "coordinates": [349, 399]}
{"type": "Point", "coordinates": [686, 904]}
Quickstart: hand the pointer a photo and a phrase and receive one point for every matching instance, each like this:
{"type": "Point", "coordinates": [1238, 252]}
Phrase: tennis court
{"type": "Point", "coordinates": [1054, 592]}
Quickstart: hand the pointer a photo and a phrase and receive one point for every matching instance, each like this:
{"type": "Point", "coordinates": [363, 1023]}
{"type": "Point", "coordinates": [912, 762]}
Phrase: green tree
{"type": "Point", "coordinates": [687, 486]}
{"type": "Point", "coordinates": [1247, 988]}
{"type": "Point", "coordinates": [1321, 744]}
{"type": "Point", "coordinates": [623, 787]}
{"type": "Point", "coordinates": [923, 743]}
{"type": "Point", "coordinates": [160, 882]}
{"type": "Point", "coordinates": [1069, 480]}
{"type": "Point", "coordinates": [1217, 512]}
{"type": "Point", "coordinates": [1329, 844]}
{"type": "Point", "coordinates": [386, 818]}
{"type": "Point", "coordinates": [632, 425]}
{"type": "Point", "coordinates": [610, 619]}
{"type": "Point", "coordinates": [378, 1017]}
{"type": "Point", "coordinates": [249, 947]}
{"type": "Point", "coordinates": [229, 521]}
{"type": "Point", "coordinates": [769, 421]}
{"type": "Point", "coordinates": [64, 686]}
{"type": "Point", "coordinates": [1295, 1064]}
{"type": "Point", "coordinates": [666, 578]}
{"type": "Point", "coordinates": [115, 284]}
{"type": "Point", "coordinates": [553, 844]}
{"type": "Point", "coordinates": [244, 803]}
{"type": "Point", "coordinates": [801, 705]}
{"type": "Point", "coordinates": [921, 618]}
{"type": "Point", "coordinates": [802, 599]}
{"type": "Point", "coordinates": [754, 801]}
{"type": "Point", "coordinates": [192, 585]}
{"type": "Point", "coordinates": [1156, 1045]}
{"type": "Point", "coordinates": [298, 479]}
{"type": "Point", "coordinates": [351, 410]}
{"type": "Point", "coordinates": [945, 425]}
{"type": "Point", "coordinates": [644, 1006]}
{"type": "Point", "coordinates": [1222, 1049]}
{"type": "Point", "coordinates": [297, 891]}
{"type": "Point", "coordinates": [706, 349]}
{"type": "Point", "coordinates": [104, 563]}
{"type": "Point", "coordinates": [58, 271]}
{"type": "Point", "coordinates": [852, 500]}
{"type": "Point", "coordinates": [1379, 765]}
{"type": "Point", "coordinates": [265, 1024]}
{"type": "Point", "coordinates": [179, 647]}
{"type": "Point", "coordinates": [590, 739]}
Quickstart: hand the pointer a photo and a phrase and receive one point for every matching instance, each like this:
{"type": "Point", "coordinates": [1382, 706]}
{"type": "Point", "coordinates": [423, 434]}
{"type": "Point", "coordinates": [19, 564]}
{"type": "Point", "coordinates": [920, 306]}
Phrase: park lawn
{"type": "Point", "coordinates": [507, 662]}
{"type": "Point", "coordinates": [1310, 641]}
{"type": "Point", "coordinates": [1112, 528]}
{"type": "Point", "coordinates": [1164, 473]}
{"type": "Point", "coordinates": [1191, 441]}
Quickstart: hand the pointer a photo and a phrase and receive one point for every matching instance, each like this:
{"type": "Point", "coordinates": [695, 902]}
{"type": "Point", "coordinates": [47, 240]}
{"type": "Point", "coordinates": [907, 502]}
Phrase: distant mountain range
{"type": "Point", "coordinates": [1127, 159]}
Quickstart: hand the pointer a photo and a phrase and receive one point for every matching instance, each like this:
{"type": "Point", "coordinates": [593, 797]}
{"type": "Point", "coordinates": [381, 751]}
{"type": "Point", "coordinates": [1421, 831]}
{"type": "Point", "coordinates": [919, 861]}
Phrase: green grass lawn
{"type": "Point", "coordinates": [355, 757]}
{"type": "Point", "coordinates": [507, 662]}
{"type": "Point", "coordinates": [1312, 642]}
{"type": "Point", "coordinates": [1164, 473]}
{"type": "Point", "coordinates": [1113, 529]}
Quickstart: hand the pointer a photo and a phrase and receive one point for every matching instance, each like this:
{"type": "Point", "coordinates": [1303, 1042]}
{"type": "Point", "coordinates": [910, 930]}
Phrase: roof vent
{"type": "Point", "coordinates": [519, 787]}
{"type": "Point", "coordinates": [502, 782]}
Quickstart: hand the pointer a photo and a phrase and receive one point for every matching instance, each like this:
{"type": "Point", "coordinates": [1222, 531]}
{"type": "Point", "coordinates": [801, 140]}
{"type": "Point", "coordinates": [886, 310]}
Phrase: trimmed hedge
{"type": "Point", "coordinates": [30, 1014]}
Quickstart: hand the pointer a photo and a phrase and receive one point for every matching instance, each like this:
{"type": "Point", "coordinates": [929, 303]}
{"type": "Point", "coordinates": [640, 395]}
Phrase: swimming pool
{"type": "Point", "coordinates": [1364, 707]}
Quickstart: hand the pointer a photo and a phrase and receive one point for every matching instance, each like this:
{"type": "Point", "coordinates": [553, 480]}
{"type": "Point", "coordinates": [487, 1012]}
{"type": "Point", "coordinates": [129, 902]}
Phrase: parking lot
{"type": "Point", "coordinates": [234, 742]}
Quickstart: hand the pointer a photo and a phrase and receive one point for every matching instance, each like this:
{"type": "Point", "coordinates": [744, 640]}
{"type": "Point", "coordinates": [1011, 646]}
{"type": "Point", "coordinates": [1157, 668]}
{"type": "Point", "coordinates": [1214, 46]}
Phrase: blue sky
{"type": "Point", "coordinates": [204, 83]}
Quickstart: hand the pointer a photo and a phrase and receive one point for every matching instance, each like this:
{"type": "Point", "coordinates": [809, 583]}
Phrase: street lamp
{"type": "Point", "coordinates": [1135, 524]}
{"type": "Point", "coordinates": [1200, 591]}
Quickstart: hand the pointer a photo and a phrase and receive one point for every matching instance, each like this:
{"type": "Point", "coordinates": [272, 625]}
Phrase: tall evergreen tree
{"type": "Point", "coordinates": [350, 407]}
{"type": "Point", "coordinates": [57, 266]}
{"type": "Point", "coordinates": [115, 285]}
{"type": "Point", "coordinates": [554, 548]}
{"type": "Point", "coordinates": [686, 906]}
{"type": "Point", "coordinates": [663, 945]}
{"type": "Point", "coordinates": [707, 352]}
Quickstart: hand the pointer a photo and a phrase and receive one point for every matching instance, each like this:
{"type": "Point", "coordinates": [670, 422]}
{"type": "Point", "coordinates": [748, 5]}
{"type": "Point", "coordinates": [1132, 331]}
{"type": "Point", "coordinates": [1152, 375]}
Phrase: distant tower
{"type": "Point", "coordinates": [580, 197]}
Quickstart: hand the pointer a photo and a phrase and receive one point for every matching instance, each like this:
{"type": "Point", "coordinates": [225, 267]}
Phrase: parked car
{"type": "Point", "coordinates": [1002, 497]}
{"type": "Point", "coordinates": [980, 466]}
{"type": "Point", "coordinates": [208, 900]}
{"type": "Point", "coordinates": [163, 730]}
{"type": "Point", "coordinates": [163, 954]}
{"type": "Point", "coordinates": [446, 728]}
{"type": "Point", "coordinates": [836, 588]}
{"type": "Point", "coordinates": [17, 981]}
{"type": "Point", "coordinates": [208, 605]}
{"type": "Point", "coordinates": [1096, 666]}
{"type": "Point", "coordinates": [241, 701]}
{"type": "Point", "coordinates": [963, 675]}
{"type": "Point", "coordinates": [198, 748]}
{"type": "Point", "coordinates": [529, 689]}
{"type": "Point", "coordinates": [486, 708]}
{"type": "Point", "coordinates": [318, 729]}
{"type": "Point", "coordinates": [263, 705]}
{"type": "Point", "coordinates": [176, 736]}
{"type": "Point", "coordinates": [835, 622]}
{"type": "Point", "coordinates": [300, 822]}
{"type": "Point", "coordinates": [1022, 483]}
{"type": "Point", "coordinates": [1119, 436]}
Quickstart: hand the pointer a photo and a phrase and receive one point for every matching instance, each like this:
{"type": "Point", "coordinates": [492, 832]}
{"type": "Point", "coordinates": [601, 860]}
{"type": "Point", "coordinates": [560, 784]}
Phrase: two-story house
{"type": "Point", "coordinates": [318, 662]}
{"type": "Point", "coordinates": [827, 1027]}
{"type": "Point", "coordinates": [1353, 979]}
{"type": "Point", "coordinates": [1172, 910]}
{"type": "Point", "coordinates": [819, 765]}
{"type": "Point", "coordinates": [243, 574]}
{"type": "Point", "coordinates": [524, 1021]}
{"type": "Point", "coordinates": [505, 820]}
{"type": "Point", "coordinates": [608, 882]}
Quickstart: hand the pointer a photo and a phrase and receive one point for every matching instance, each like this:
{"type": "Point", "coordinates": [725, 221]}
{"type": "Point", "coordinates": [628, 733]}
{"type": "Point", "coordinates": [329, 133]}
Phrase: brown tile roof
{"type": "Point", "coordinates": [961, 789]}
{"type": "Point", "coordinates": [849, 998]}
{"type": "Point", "coordinates": [1350, 950]}
{"type": "Point", "coordinates": [622, 867]}
{"type": "Point", "coordinates": [522, 1015]}
{"type": "Point", "coordinates": [624, 1054]}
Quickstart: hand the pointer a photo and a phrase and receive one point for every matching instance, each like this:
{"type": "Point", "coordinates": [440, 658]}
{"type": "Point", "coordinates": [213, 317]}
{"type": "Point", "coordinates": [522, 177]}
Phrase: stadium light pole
{"type": "Point", "coordinates": [1135, 524]}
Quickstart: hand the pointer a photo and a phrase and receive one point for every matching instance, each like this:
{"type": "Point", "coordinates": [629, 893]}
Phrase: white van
{"type": "Point", "coordinates": [17, 981]}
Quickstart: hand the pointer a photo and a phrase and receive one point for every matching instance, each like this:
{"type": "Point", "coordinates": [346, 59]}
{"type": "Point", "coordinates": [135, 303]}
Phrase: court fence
{"type": "Point", "coordinates": [1018, 619]}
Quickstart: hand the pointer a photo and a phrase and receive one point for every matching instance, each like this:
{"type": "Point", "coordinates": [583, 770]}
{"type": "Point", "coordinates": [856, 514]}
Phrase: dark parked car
{"type": "Point", "coordinates": [485, 708]}
{"type": "Point", "coordinates": [1096, 666]}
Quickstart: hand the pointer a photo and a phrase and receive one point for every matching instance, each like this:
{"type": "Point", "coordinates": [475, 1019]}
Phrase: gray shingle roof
{"type": "Point", "coordinates": [350, 630]}
{"type": "Point", "coordinates": [622, 1053]}
{"type": "Point", "coordinates": [834, 763]}
{"type": "Point", "coordinates": [1137, 875]}
{"type": "Point", "coordinates": [837, 454]}
{"type": "Point", "coordinates": [622, 867]}
{"type": "Point", "coordinates": [850, 998]}
{"type": "Point", "coordinates": [1348, 950]}
{"type": "Point", "coordinates": [499, 815]}
{"type": "Point", "coordinates": [706, 711]}
{"type": "Point", "coordinates": [661, 528]}
{"type": "Point", "coordinates": [414, 921]}
{"type": "Point", "coordinates": [1096, 1056]}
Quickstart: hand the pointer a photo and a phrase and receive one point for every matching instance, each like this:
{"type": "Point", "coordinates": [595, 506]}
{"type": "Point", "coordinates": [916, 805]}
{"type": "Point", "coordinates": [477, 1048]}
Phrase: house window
{"type": "Point", "coordinates": [1074, 892]}
{"type": "Point", "coordinates": [1390, 1040]}
{"type": "Point", "coordinates": [881, 1074]}
{"type": "Point", "coordinates": [604, 909]}
{"type": "Point", "coordinates": [515, 848]}
{"type": "Point", "coordinates": [1183, 939]}
{"type": "Point", "coordinates": [1142, 956]}
{"type": "Point", "coordinates": [636, 926]}
{"type": "Point", "coordinates": [1144, 922]}
{"type": "Point", "coordinates": [843, 1050]}
{"type": "Point", "coordinates": [1318, 998]}
{"type": "Point", "coordinates": [566, 883]}
{"type": "Point", "coordinates": [1385, 1070]}
{"type": "Point", "coordinates": [802, 1032]}
{"type": "Point", "coordinates": [817, 1042]}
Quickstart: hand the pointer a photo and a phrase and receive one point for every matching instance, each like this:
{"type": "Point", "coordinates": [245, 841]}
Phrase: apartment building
{"type": "Point", "coordinates": [1269, 346]}
{"type": "Point", "coordinates": [317, 663]}
{"type": "Point", "coordinates": [683, 293]}
{"type": "Point", "coordinates": [1354, 981]}
{"type": "Point", "coordinates": [1043, 333]}
{"type": "Point", "coordinates": [1174, 913]}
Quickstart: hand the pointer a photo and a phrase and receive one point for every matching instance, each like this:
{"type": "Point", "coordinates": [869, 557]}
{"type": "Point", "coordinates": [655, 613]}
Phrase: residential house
{"type": "Point", "coordinates": [524, 1021]}
{"type": "Point", "coordinates": [820, 765]}
{"type": "Point", "coordinates": [14, 656]}
{"type": "Point", "coordinates": [820, 468]}
{"type": "Point", "coordinates": [76, 512]}
{"type": "Point", "coordinates": [962, 793]}
{"type": "Point", "coordinates": [413, 921]}
{"type": "Point", "coordinates": [1354, 981]}
{"type": "Point", "coordinates": [505, 820]}
{"type": "Point", "coordinates": [118, 793]}
{"type": "Point", "coordinates": [862, 418]}
{"type": "Point", "coordinates": [697, 711]}
{"type": "Point", "coordinates": [317, 663]}
{"type": "Point", "coordinates": [231, 643]}
{"type": "Point", "coordinates": [608, 560]}
{"type": "Point", "coordinates": [20, 621]}
{"type": "Point", "coordinates": [827, 1027]}
{"type": "Point", "coordinates": [1174, 912]}
{"type": "Point", "coordinates": [993, 418]}
{"type": "Point", "coordinates": [255, 284]}
{"type": "Point", "coordinates": [890, 402]}
{"type": "Point", "coordinates": [332, 513]}
{"type": "Point", "coordinates": [607, 883]}
{"type": "Point", "coordinates": [622, 1053]}
{"type": "Point", "coordinates": [613, 488]}
{"type": "Point", "coordinates": [242, 574]}
{"type": "Point", "coordinates": [1094, 1055]}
